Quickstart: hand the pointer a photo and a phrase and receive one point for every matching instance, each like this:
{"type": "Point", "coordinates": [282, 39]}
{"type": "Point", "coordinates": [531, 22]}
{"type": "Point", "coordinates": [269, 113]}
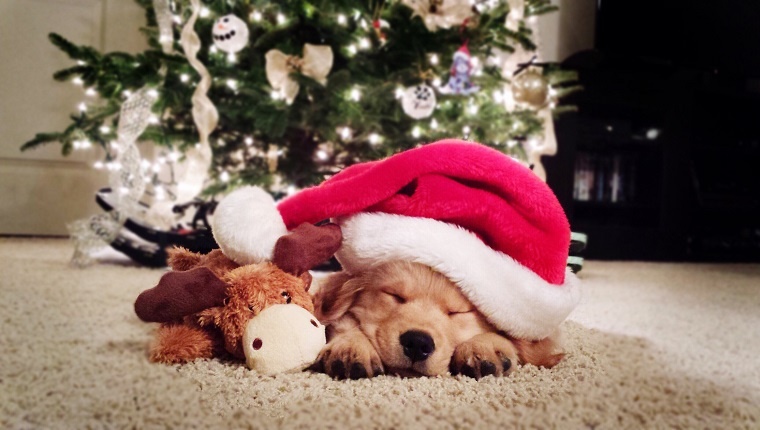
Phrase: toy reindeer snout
{"type": "Point", "coordinates": [182, 293]}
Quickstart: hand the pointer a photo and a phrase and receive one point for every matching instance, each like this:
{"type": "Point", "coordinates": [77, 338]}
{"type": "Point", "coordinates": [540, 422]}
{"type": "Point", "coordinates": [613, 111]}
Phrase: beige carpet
{"type": "Point", "coordinates": [650, 346]}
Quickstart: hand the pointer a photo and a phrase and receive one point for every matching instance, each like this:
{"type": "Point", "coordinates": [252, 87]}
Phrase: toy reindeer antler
{"type": "Point", "coordinates": [306, 246]}
{"type": "Point", "coordinates": [182, 293]}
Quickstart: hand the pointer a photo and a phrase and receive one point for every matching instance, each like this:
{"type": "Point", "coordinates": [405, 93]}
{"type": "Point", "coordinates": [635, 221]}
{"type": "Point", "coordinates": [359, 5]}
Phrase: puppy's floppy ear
{"type": "Point", "coordinates": [335, 296]}
{"type": "Point", "coordinates": [546, 352]}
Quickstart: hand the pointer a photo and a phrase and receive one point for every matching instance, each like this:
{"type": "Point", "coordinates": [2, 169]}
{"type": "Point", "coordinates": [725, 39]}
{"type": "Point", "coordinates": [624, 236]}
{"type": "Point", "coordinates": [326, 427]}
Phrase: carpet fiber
{"type": "Point", "coordinates": [652, 345]}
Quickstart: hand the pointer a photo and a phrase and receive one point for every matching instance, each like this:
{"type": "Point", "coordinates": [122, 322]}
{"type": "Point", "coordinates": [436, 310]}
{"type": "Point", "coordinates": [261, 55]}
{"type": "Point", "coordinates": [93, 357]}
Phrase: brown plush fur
{"type": "Point", "coordinates": [368, 315]}
{"type": "Point", "coordinates": [251, 288]}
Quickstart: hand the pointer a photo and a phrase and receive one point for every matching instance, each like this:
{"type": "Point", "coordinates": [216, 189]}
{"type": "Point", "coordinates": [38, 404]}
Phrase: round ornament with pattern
{"type": "Point", "coordinates": [230, 34]}
{"type": "Point", "coordinates": [419, 101]}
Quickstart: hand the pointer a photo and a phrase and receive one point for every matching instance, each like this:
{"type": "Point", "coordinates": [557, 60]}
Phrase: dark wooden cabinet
{"type": "Point", "coordinates": [659, 163]}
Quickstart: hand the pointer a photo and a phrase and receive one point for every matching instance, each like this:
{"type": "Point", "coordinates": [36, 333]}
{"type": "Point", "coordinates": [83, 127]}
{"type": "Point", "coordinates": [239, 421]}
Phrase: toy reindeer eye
{"type": "Point", "coordinates": [250, 308]}
{"type": "Point", "coordinates": [287, 297]}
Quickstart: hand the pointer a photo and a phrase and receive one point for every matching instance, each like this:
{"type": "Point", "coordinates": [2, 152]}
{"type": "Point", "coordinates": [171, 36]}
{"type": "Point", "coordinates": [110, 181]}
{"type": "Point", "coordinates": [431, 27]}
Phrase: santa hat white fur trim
{"type": "Point", "coordinates": [247, 224]}
{"type": "Point", "coordinates": [511, 296]}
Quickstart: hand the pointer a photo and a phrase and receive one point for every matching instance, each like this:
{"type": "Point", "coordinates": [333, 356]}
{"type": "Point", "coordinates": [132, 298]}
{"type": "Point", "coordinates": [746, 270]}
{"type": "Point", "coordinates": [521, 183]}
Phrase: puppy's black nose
{"type": "Point", "coordinates": [417, 345]}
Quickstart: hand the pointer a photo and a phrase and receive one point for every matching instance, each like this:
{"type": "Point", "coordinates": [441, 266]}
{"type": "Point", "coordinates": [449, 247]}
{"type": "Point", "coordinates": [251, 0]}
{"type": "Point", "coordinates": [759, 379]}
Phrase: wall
{"type": "Point", "coordinates": [568, 31]}
{"type": "Point", "coordinates": [40, 190]}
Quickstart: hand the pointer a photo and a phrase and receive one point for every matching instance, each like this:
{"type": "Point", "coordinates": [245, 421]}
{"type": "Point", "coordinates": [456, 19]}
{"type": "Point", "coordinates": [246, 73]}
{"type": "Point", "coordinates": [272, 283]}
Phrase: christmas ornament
{"type": "Point", "coordinates": [531, 88]}
{"type": "Point", "coordinates": [461, 70]}
{"type": "Point", "coordinates": [419, 101]}
{"type": "Point", "coordinates": [316, 63]}
{"type": "Point", "coordinates": [379, 25]}
{"type": "Point", "coordinates": [230, 34]}
{"type": "Point", "coordinates": [440, 13]}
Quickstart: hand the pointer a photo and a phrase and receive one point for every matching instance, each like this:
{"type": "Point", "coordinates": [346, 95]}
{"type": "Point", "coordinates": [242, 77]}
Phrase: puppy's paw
{"type": "Point", "coordinates": [483, 355]}
{"type": "Point", "coordinates": [349, 355]}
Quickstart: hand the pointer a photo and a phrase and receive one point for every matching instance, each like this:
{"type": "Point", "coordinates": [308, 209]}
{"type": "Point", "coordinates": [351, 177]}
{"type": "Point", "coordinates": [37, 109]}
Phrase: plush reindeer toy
{"type": "Point", "coordinates": [209, 306]}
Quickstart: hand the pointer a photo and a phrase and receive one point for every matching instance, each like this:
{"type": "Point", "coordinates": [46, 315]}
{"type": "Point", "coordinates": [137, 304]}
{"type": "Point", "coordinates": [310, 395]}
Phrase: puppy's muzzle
{"type": "Point", "coordinates": [418, 345]}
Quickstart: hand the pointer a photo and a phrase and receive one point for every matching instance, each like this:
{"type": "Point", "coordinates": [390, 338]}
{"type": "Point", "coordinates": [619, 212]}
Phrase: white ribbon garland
{"type": "Point", "coordinates": [193, 171]}
{"type": "Point", "coordinates": [126, 181]}
{"type": "Point", "coordinates": [165, 23]}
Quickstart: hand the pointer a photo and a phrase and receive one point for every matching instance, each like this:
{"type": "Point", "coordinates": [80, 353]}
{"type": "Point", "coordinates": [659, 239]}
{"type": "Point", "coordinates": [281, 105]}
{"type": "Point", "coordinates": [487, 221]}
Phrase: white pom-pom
{"type": "Point", "coordinates": [247, 224]}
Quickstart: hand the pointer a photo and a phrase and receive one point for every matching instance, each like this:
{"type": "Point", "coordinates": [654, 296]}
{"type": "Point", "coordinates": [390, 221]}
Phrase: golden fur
{"type": "Point", "coordinates": [372, 317]}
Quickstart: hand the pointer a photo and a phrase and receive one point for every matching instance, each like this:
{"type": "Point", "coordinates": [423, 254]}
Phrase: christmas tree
{"type": "Point", "coordinates": [305, 88]}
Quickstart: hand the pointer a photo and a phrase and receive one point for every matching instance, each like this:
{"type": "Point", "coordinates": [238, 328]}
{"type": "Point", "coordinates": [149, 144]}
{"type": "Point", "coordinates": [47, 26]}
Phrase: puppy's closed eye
{"type": "Point", "coordinates": [461, 312]}
{"type": "Point", "coordinates": [397, 297]}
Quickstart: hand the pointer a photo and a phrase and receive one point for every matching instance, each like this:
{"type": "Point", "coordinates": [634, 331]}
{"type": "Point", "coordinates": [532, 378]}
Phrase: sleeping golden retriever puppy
{"type": "Point", "coordinates": [405, 318]}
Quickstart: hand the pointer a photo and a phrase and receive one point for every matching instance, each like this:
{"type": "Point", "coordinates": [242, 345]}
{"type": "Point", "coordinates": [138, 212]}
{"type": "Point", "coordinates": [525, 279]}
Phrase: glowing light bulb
{"type": "Point", "coordinates": [434, 124]}
{"type": "Point", "coordinates": [184, 77]}
{"type": "Point", "coordinates": [213, 49]}
{"type": "Point", "coordinates": [153, 93]}
{"type": "Point", "coordinates": [437, 82]}
{"type": "Point", "coordinates": [249, 141]}
{"type": "Point", "coordinates": [231, 58]}
{"type": "Point", "coordinates": [472, 109]}
{"type": "Point", "coordinates": [91, 92]}
{"type": "Point", "coordinates": [322, 155]}
{"type": "Point", "coordinates": [256, 16]}
{"type": "Point", "coordinates": [232, 84]}
{"type": "Point", "coordinates": [82, 107]}
{"type": "Point", "coordinates": [399, 92]}
{"type": "Point", "coordinates": [105, 129]}
{"type": "Point", "coordinates": [204, 13]}
{"type": "Point", "coordinates": [356, 94]}
{"type": "Point", "coordinates": [153, 119]}
{"type": "Point", "coordinates": [434, 59]}
{"type": "Point", "coordinates": [351, 49]}
{"type": "Point", "coordinates": [342, 20]}
{"type": "Point", "coordinates": [98, 165]}
{"type": "Point", "coordinates": [416, 132]}
{"type": "Point", "coordinates": [364, 43]}
{"type": "Point", "coordinates": [281, 19]}
{"type": "Point", "coordinates": [466, 130]}
{"type": "Point", "coordinates": [77, 81]}
{"type": "Point", "coordinates": [374, 138]}
{"type": "Point", "coordinates": [345, 133]}
{"type": "Point", "coordinates": [224, 176]}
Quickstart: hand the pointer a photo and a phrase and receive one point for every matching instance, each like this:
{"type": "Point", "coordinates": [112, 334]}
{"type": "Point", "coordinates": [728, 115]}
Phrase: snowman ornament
{"type": "Point", "coordinates": [418, 101]}
{"type": "Point", "coordinates": [230, 34]}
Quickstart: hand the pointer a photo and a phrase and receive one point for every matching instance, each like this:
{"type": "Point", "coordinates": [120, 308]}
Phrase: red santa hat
{"type": "Point", "coordinates": [477, 216]}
